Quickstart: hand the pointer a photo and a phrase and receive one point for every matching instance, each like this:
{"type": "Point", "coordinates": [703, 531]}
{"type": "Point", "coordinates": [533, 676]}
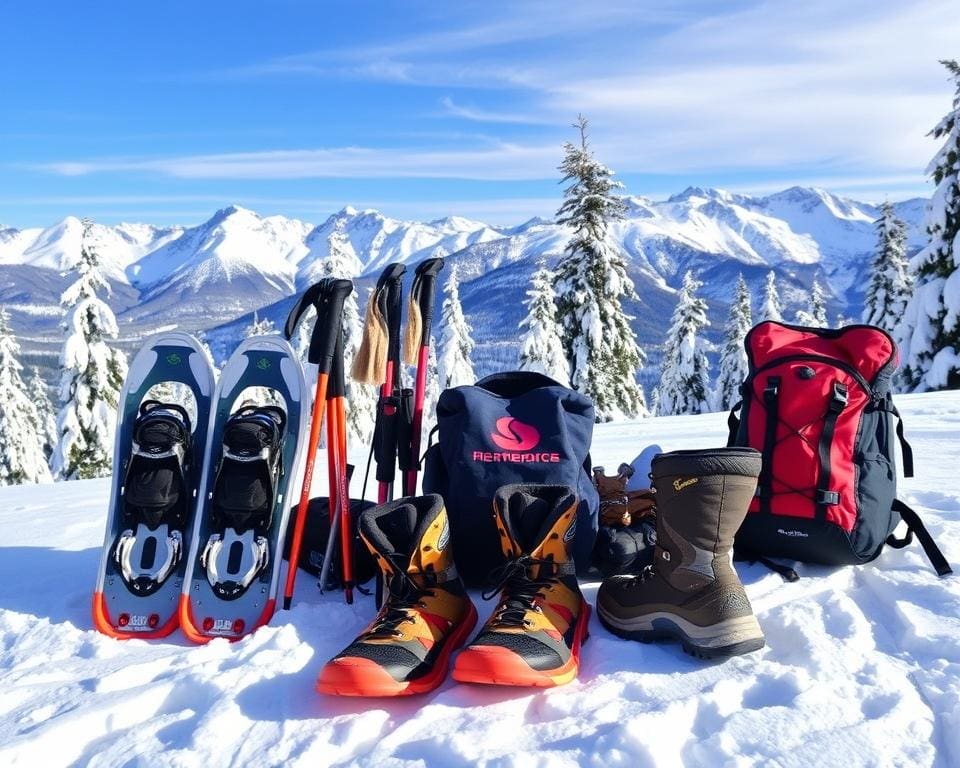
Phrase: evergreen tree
{"type": "Point", "coordinates": [930, 332]}
{"type": "Point", "coordinates": [430, 394]}
{"type": "Point", "coordinates": [592, 281]}
{"type": "Point", "coordinates": [655, 401]}
{"type": "Point", "coordinates": [890, 284]}
{"type": "Point", "coordinates": [456, 346]}
{"type": "Point", "coordinates": [771, 308]}
{"type": "Point", "coordinates": [91, 374]}
{"type": "Point", "coordinates": [259, 327]}
{"type": "Point", "coordinates": [816, 315]}
{"type": "Point", "coordinates": [541, 347]}
{"type": "Point", "coordinates": [733, 356]}
{"type": "Point", "coordinates": [46, 418]}
{"type": "Point", "coordinates": [685, 371]}
{"type": "Point", "coordinates": [22, 437]}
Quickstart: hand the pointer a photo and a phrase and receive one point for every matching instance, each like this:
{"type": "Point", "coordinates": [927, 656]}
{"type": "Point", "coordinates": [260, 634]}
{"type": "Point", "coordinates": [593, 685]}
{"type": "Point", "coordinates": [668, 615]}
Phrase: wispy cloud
{"type": "Point", "coordinates": [499, 163]}
{"type": "Point", "coordinates": [478, 115]}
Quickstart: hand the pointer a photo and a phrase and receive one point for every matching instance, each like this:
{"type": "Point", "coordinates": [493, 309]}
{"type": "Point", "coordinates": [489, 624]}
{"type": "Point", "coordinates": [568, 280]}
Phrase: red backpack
{"type": "Point", "coordinates": [817, 404]}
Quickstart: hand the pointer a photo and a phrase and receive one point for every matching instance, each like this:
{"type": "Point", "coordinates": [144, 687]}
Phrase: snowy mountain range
{"type": "Point", "coordinates": [212, 276]}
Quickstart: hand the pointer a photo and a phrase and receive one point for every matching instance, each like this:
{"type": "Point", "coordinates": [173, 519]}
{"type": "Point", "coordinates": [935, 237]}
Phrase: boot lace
{"type": "Point", "coordinates": [520, 589]}
{"type": "Point", "coordinates": [405, 595]}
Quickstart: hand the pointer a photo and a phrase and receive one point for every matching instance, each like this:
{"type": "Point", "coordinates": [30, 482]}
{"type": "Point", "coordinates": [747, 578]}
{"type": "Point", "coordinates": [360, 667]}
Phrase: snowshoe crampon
{"type": "Point", "coordinates": [253, 452]}
{"type": "Point", "coordinates": [156, 468]}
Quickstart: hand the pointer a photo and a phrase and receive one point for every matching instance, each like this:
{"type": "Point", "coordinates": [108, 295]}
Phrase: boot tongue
{"type": "Point", "coordinates": [527, 514]}
{"type": "Point", "coordinates": [399, 527]}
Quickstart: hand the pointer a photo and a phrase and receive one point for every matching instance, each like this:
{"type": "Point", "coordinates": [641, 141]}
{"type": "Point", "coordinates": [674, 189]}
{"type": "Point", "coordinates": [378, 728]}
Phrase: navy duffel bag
{"type": "Point", "coordinates": [515, 427]}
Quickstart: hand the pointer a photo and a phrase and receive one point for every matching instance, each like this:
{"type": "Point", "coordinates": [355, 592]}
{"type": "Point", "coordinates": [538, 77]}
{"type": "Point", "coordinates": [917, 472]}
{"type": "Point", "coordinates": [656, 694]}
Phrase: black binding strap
{"type": "Point", "coordinates": [771, 395]}
{"type": "Point", "coordinates": [825, 497]}
{"type": "Point", "coordinates": [733, 424]}
{"type": "Point", "coordinates": [915, 526]}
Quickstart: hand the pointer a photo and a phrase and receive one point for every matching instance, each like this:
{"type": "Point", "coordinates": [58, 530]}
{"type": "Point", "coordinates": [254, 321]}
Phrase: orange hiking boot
{"type": "Point", "coordinates": [426, 613]}
{"type": "Point", "coordinates": [534, 635]}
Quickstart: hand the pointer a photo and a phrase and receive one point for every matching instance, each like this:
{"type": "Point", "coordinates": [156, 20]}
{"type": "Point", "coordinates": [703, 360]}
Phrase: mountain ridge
{"type": "Point", "coordinates": [211, 276]}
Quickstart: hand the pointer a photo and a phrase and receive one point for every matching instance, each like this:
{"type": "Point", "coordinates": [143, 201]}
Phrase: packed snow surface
{"type": "Point", "coordinates": [861, 667]}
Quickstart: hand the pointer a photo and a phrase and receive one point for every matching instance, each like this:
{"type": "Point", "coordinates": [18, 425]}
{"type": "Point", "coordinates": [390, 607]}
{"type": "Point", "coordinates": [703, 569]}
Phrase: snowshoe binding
{"type": "Point", "coordinates": [157, 497]}
{"type": "Point", "coordinates": [244, 496]}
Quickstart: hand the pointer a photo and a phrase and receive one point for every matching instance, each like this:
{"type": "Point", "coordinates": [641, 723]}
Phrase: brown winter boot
{"type": "Point", "coordinates": [691, 592]}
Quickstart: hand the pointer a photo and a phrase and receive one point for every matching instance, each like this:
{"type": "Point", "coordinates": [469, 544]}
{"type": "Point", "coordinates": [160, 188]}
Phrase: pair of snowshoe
{"type": "Point", "coordinates": [200, 500]}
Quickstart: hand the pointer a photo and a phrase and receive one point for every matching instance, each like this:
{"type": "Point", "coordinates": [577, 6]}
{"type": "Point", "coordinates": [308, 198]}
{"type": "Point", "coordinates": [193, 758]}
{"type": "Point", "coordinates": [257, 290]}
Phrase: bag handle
{"type": "Point", "coordinates": [915, 526]}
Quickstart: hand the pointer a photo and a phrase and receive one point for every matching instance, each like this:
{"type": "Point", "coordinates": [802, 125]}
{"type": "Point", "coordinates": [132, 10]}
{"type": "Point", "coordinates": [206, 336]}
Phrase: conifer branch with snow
{"type": "Point", "coordinates": [22, 429]}
{"type": "Point", "coordinates": [815, 316]}
{"type": "Point", "coordinates": [592, 282]}
{"type": "Point", "coordinates": [46, 417]}
{"type": "Point", "coordinates": [771, 308]}
{"type": "Point", "coordinates": [541, 345]}
{"type": "Point", "coordinates": [890, 281]}
{"type": "Point", "coordinates": [685, 370]}
{"type": "Point", "coordinates": [733, 355]}
{"type": "Point", "coordinates": [91, 374]}
{"type": "Point", "coordinates": [455, 348]}
{"type": "Point", "coordinates": [929, 335]}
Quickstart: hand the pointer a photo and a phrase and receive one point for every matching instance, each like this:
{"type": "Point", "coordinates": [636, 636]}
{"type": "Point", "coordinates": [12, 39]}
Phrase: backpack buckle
{"type": "Point", "coordinates": [840, 397]}
{"type": "Point", "coordinates": [772, 389]}
{"type": "Point", "coordinates": [827, 497]}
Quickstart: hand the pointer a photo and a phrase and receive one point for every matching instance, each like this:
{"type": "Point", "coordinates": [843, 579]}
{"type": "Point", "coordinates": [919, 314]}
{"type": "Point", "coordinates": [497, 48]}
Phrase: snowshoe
{"type": "Point", "coordinates": [233, 571]}
{"type": "Point", "coordinates": [156, 467]}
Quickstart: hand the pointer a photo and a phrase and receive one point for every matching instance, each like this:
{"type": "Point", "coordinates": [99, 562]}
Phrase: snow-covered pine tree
{"type": "Point", "coordinates": [733, 356]}
{"type": "Point", "coordinates": [930, 332]}
{"type": "Point", "coordinates": [541, 347]}
{"type": "Point", "coordinates": [259, 327]}
{"type": "Point", "coordinates": [22, 436]}
{"type": "Point", "coordinates": [91, 374]}
{"type": "Point", "coordinates": [430, 394]}
{"type": "Point", "coordinates": [685, 370]}
{"type": "Point", "coordinates": [655, 401]}
{"type": "Point", "coordinates": [592, 281]}
{"type": "Point", "coordinates": [46, 418]}
{"type": "Point", "coordinates": [770, 309]}
{"type": "Point", "coordinates": [453, 353]}
{"type": "Point", "coordinates": [361, 399]}
{"type": "Point", "coordinates": [890, 283]}
{"type": "Point", "coordinates": [816, 314]}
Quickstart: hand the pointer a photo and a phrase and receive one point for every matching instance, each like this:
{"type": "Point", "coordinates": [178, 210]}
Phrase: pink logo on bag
{"type": "Point", "coordinates": [515, 439]}
{"type": "Point", "coordinates": [514, 435]}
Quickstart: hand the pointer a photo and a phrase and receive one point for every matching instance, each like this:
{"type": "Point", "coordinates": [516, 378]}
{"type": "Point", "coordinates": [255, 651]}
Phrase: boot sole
{"type": "Point", "coordinates": [363, 677]}
{"type": "Point", "coordinates": [493, 665]}
{"type": "Point", "coordinates": [731, 637]}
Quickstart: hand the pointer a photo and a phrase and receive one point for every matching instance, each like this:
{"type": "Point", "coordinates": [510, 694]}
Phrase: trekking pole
{"type": "Point", "coordinates": [339, 492]}
{"type": "Point", "coordinates": [327, 296]}
{"type": "Point", "coordinates": [417, 351]}
{"type": "Point", "coordinates": [378, 362]}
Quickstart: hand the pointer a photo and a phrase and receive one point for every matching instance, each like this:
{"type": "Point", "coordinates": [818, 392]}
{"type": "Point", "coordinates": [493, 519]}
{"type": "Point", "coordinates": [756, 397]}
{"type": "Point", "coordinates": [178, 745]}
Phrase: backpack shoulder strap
{"type": "Point", "coordinates": [915, 526]}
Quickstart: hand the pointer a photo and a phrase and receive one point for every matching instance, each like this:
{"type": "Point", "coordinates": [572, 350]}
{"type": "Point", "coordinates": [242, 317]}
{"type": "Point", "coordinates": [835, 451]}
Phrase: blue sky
{"type": "Point", "coordinates": [164, 112]}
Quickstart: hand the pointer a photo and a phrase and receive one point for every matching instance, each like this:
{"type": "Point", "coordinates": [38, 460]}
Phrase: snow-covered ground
{"type": "Point", "coordinates": [862, 665]}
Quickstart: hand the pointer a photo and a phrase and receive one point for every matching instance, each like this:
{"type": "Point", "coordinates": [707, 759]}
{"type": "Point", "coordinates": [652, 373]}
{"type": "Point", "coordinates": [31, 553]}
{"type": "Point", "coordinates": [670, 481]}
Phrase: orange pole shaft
{"type": "Point", "coordinates": [319, 403]}
{"type": "Point", "coordinates": [343, 494]}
